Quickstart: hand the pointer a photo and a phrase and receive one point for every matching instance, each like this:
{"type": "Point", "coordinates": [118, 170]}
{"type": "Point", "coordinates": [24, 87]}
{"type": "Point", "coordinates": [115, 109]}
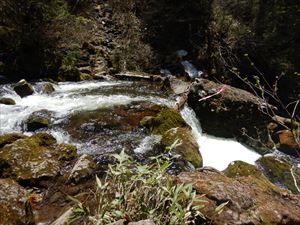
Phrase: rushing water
{"type": "Point", "coordinates": [70, 100]}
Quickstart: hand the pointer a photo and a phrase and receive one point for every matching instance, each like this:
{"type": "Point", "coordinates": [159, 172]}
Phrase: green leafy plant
{"type": "Point", "coordinates": [134, 192]}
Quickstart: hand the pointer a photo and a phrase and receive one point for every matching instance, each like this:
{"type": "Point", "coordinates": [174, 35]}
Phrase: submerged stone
{"type": "Point", "coordinates": [186, 146]}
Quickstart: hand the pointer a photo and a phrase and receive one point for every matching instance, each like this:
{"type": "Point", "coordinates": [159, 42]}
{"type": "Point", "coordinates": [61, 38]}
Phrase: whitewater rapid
{"type": "Point", "coordinates": [69, 98]}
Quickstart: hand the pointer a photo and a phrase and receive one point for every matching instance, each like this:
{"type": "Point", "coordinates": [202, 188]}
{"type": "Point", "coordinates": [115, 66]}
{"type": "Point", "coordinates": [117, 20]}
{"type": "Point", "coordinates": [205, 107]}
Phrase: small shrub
{"type": "Point", "coordinates": [135, 192]}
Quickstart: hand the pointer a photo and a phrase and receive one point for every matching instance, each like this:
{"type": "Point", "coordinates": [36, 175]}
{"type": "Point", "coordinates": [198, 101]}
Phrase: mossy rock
{"type": "Point", "coordinates": [7, 101]}
{"type": "Point", "coordinates": [36, 121]}
{"type": "Point", "coordinates": [242, 169]}
{"type": "Point", "coordinates": [279, 172]}
{"type": "Point", "coordinates": [10, 138]}
{"type": "Point", "coordinates": [165, 120]}
{"type": "Point", "coordinates": [187, 145]}
{"type": "Point", "coordinates": [85, 76]}
{"type": "Point", "coordinates": [34, 158]}
{"type": "Point", "coordinates": [68, 73]}
{"type": "Point", "coordinates": [67, 152]}
{"type": "Point", "coordinates": [14, 205]}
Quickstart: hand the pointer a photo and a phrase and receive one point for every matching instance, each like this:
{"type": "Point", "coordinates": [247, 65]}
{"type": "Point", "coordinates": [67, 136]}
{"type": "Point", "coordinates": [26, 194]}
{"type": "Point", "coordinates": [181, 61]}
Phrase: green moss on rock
{"type": "Point", "coordinates": [188, 147]}
{"type": "Point", "coordinates": [165, 120]}
{"type": "Point", "coordinates": [67, 152]}
{"type": "Point", "coordinates": [241, 169]}
{"type": "Point", "coordinates": [35, 122]}
{"type": "Point", "coordinates": [34, 158]}
{"type": "Point", "coordinates": [10, 138]}
{"type": "Point", "coordinates": [279, 172]}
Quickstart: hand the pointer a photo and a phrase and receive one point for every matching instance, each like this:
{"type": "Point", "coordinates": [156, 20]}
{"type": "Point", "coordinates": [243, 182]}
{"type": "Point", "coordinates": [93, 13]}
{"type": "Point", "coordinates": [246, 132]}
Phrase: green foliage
{"type": "Point", "coordinates": [136, 192]}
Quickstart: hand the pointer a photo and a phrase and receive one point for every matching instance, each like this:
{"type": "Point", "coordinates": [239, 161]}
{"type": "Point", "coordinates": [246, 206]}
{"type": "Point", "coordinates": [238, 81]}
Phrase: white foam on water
{"type": "Point", "coordinates": [147, 144]}
{"type": "Point", "coordinates": [217, 152]}
{"type": "Point", "coordinates": [62, 102]}
{"type": "Point", "coordinates": [72, 97]}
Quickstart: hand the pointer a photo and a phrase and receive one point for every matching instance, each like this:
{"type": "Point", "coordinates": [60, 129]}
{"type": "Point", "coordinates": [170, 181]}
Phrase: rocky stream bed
{"type": "Point", "coordinates": [55, 137]}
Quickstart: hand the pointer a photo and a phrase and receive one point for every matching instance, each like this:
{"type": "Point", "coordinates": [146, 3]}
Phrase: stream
{"type": "Point", "coordinates": [103, 116]}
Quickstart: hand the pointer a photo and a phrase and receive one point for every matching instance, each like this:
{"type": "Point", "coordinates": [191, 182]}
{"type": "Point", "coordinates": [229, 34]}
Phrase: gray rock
{"type": "Point", "coordinates": [23, 88]}
{"type": "Point", "coordinates": [82, 169]}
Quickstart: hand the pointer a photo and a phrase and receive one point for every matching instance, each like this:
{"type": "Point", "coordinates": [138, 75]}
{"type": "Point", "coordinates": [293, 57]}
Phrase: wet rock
{"type": "Point", "coordinates": [179, 86]}
{"type": "Point", "coordinates": [37, 120]}
{"type": "Point", "coordinates": [242, 169]}
{"type": "Point", "coordinates": [66, 152]}
{"type": "Point", "coordinates": [31, 159]}
{"type": "Point", "coordinates": [279, 172]}
{"type": "Point", "coordinates": [187, 145]}
{"type": "Point", "coordinates": [165, 120]}
{"type": "Point", "coordinates": [48, 89]}
{"type": "Point", "coordinates": [10, 138]}
{"type": "Point", "coordinates": [247, 199]}
{"type": "Point", "coordinates": [15, 210]}
{"type": "Point", "coordinates": [288, 142]}
{"type": "Point", "coordinates": [83, 168]}
{"type": "Point", "coordinates": [7, 101]}
{"type": "Point", "coordinates": [23, 88]}
{"type": "Point", "coordinates": [285, 134]}
{"type": "Point", "coordinates": [225, 111]}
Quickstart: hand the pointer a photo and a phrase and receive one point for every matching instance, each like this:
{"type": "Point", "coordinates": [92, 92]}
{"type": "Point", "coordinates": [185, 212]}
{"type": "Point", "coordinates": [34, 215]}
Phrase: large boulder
{"type": "Point", "coordinates": [280, 172]}
{"type": "Point", "coordinates": [246, 200]}
{"type": "Point", "coordinates": [186, 145]}
{"type": "Point", "coordinates": [34, 158]}
{"type": "Point", "coordinates": [7, 101]}
{"type": "Point", "coordinates": [15, 210]}
{"type": "Point", "coordinates": [23, 88]}
{"type": "Point", "coordinates": [226, 111]}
